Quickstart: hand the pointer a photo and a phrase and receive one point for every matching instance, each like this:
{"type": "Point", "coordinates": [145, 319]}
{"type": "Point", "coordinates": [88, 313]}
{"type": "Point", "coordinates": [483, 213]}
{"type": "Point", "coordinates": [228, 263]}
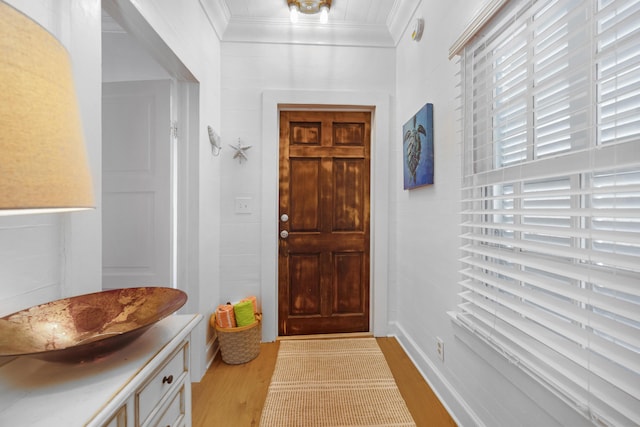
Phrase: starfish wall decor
{"type": "Point", "coordinates": [240, 151]}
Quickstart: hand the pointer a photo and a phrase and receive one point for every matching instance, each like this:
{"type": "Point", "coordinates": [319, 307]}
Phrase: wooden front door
{"type": "Point", "coordinates": [324, 216]}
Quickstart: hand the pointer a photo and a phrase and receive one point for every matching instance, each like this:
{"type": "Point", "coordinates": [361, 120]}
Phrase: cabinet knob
{"type": "Point", "coordinates": [167, 380]}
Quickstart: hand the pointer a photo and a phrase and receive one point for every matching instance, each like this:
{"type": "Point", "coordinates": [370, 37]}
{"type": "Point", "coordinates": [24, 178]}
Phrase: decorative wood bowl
{"type": "Point", "coordinates": [86, 327]}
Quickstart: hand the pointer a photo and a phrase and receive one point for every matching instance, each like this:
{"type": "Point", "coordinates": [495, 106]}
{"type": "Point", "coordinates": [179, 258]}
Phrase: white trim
{"type": "Point", "coordinates": [218, 15]}
{"type": "Point", "coordinates": [485, 14]}
{"type": "Point", "coordinates": [380, 152]}
{"type": "Point", "coordinates": [453, 402]}
{"type": "Point", "coordinates": [280, 31]}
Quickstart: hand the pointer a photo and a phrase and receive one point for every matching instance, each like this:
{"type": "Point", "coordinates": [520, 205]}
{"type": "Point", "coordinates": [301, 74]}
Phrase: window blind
{"type": "Point", "coordinates": [551, 198]}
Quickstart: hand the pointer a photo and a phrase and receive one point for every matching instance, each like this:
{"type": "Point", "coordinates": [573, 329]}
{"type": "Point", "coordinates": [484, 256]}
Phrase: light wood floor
{"type": "Point", "coordinates": [233, 395]}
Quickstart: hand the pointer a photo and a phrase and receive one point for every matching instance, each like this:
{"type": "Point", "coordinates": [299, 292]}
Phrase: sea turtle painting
{"type": "Point", "coordinates": [417, 146]}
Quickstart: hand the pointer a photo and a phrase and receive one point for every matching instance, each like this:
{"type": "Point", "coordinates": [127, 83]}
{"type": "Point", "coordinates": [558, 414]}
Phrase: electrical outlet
{"type": "Point", "coordinates": [440, 348]}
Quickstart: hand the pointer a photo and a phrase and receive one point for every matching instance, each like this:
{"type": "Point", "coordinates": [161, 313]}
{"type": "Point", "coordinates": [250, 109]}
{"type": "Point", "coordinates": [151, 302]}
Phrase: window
{"type": "Point", "coordinates": [551, 197]}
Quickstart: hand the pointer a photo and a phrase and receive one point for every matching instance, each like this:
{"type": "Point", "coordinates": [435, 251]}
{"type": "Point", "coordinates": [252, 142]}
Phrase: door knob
{"type": "Point", "coordinates": [284, 217]}
{"type": "Point", "coordinates": [284, 234]}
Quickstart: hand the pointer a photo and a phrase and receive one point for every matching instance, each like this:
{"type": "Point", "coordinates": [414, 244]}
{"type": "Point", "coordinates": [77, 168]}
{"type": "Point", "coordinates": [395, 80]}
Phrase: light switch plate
{"type": "Point", "coordinates": [243, 205]}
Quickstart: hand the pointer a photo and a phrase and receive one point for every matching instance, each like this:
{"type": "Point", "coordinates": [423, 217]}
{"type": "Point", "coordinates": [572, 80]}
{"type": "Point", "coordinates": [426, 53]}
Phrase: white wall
{"type": "Point", "coordinates": [249, 71]}
{"type": "Point", "coordinates": [124, 59]}
{"type": "Point", "coordinates": [479, 386]}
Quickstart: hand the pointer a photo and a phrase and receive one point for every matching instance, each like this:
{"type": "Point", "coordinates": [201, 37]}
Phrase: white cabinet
{"type": "Point", "coordinates": [173, 413]}
{"type": "Point", "coordinates": [158, 395]}
{"type": "Point", "coordinates": [144, 384]}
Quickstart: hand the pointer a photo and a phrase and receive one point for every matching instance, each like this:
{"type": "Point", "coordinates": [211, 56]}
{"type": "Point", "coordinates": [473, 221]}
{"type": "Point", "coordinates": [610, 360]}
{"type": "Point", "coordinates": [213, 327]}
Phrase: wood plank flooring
{"type": "Point", "coordinates": [233, 395]}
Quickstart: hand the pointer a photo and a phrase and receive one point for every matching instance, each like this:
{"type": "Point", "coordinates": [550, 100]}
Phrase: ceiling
{"type": "Point", "coordinates": [374, 23]}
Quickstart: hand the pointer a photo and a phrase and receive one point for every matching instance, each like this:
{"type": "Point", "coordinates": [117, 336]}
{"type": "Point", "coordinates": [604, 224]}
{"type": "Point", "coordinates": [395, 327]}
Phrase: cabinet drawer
{"type": "Point", "coordinates": [175, 410]}
{"type": "Point", "coordinates": [167, 378]}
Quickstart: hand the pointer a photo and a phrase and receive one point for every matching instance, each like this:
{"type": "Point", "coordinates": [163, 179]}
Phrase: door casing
{"type": "Point", "coordinates": [379, 104]}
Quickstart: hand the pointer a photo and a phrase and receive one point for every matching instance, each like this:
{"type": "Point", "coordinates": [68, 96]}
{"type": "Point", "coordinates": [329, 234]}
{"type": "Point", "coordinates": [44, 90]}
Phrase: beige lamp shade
{"type": "Point", "coordinates": [43, 162]}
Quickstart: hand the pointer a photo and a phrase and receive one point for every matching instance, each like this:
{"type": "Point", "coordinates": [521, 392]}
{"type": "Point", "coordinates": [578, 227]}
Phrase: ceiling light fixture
{"type": "Point", "coordinates": [309, 7]}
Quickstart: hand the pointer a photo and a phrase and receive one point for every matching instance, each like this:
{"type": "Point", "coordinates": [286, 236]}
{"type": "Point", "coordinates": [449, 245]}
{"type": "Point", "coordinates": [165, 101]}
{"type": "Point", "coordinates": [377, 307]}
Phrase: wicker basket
{"type": "Point", "coordinates": [241, 344]}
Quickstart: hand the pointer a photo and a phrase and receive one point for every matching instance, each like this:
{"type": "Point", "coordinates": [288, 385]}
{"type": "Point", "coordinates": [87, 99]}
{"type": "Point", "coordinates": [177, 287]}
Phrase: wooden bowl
{"type": "Point", "coordinates": [88, 326]}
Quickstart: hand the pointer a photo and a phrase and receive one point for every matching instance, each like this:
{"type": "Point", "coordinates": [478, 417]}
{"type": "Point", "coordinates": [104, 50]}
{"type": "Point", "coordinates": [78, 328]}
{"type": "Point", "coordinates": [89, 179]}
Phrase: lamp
{"type": "Point", "coordinates": [309, 7]}
{"type": "Point", "coordinates": [43, 163]}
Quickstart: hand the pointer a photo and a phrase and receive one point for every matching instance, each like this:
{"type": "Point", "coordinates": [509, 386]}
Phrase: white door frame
{"type": "Point", "coordinates": [379, 104]}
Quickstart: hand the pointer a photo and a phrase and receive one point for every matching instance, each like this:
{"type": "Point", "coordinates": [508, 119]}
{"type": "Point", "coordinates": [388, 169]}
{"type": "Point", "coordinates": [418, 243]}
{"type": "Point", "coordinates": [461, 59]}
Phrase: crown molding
{"type": "Point", "coordinates": [257, 31]}
{"type": "Point", "coordinates": [307, 30]}
{"type": "Point", "coordinates": [218, 14]}
{"type": "Point", "coordinates": [400, 18]}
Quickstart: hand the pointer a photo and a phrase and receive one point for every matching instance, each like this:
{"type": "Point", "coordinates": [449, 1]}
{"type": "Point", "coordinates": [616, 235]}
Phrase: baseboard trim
{"type": "Point", "coordinates": [211, 350]}
{"type": "Point", "coordinates": [457, 407]}
{"type": "Point", "coordinates": [325, 336]}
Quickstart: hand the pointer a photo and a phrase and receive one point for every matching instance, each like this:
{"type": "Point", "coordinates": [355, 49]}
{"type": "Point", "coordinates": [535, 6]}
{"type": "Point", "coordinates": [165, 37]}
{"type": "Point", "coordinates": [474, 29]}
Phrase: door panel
{"type": "Point", "coordinates": [347, 275]}
{"type": "Point", "coordinates": [304, 209]}
{"type": "Point", "coordinates": [324, 191]}
{"type": "Point", "coordinates": [136, 184]}
{"type": "Point", "coordinates": [305, 284]}
{"type": "Point", "coordinates": [348, 214]}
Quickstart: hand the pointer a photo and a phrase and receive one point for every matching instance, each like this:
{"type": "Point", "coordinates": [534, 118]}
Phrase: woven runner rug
{"type": "Point", "coordinates": [336, 382]}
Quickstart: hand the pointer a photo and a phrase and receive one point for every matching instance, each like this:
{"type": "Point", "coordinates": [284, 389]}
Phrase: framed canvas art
{"type": "Point", "coordinates": [417, 149]}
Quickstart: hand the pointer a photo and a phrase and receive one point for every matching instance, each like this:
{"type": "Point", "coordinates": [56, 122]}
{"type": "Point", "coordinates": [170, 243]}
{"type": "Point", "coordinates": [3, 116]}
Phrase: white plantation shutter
{"type": "Point", "coordinates": [551, 198]}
